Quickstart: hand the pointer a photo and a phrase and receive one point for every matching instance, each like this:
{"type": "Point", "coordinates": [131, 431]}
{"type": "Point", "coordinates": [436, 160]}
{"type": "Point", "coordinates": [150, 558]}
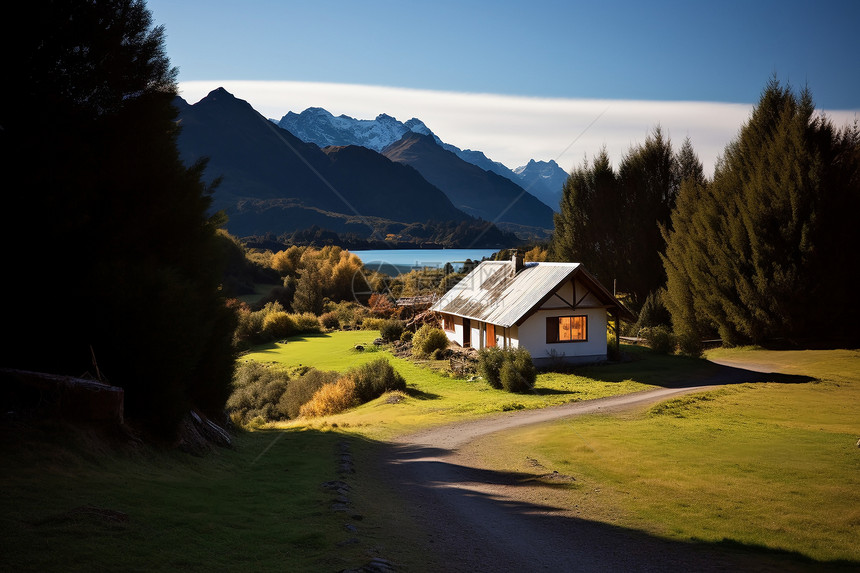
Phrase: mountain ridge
{"type": "Point", "coordinates": [274, 183]}
{"type": "Point", "coordinates": [476, 191]}
{"type": "Point", "coordinates": [319, 126]}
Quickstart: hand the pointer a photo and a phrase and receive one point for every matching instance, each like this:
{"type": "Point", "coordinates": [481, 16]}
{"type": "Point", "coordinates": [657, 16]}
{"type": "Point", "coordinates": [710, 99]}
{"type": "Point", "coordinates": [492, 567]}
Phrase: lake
{"type": "Point", "coordinates": [396, 261]}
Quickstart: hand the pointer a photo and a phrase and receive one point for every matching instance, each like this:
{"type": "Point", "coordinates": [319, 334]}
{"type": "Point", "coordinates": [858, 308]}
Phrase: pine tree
{"type": "Point", "coordinates": [649, 176]}
{"type": "Point", "coordinates": [611, 221]}
{"type": "Point", "coordinates": [752, 253]}
{"type": "Point", "coordinates": [587, 226]}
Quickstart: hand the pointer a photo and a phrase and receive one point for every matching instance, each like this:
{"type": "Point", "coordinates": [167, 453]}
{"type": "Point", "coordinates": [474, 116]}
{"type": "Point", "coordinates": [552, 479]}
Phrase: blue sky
{"type": "Point", "coordinates": [537, 54]}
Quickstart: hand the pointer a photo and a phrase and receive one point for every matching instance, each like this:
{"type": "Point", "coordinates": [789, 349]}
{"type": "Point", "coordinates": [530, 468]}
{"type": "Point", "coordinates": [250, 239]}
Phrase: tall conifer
{"type": "Point", "coordinates": [750, 254]}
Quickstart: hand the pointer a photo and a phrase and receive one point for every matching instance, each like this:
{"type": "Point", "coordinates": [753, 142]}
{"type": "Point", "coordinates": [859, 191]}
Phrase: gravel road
{"type": "Point", "coordinates": [475, 520]}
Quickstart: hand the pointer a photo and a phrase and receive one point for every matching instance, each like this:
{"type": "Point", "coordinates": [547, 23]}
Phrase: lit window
{"type": "Point", "coordinates": [566, 329]}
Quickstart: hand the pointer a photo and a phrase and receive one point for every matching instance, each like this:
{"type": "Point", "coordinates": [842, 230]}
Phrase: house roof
{"type": "Point", "coordinates": [493, 293]}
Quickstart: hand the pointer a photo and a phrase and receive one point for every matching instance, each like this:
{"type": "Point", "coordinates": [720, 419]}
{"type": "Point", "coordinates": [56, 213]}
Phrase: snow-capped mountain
{"type": "Point", "coordinates": [316, 125]}
{"type": "Point", "coordinates": [319, 126]}
{"type": "Point", "coordinates": [544, 180]}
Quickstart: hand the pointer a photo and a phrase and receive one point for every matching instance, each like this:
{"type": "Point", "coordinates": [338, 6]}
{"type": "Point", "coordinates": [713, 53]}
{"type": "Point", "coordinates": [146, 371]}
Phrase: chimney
{"type": "Point", "coordinates": [517, 262]}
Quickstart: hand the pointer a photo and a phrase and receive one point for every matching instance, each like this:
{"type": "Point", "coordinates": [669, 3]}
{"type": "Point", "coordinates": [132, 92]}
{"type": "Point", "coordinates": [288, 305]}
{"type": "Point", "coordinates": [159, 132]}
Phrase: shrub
{"type": "Point", "coordinates": [306, 322]}
{"type": "Point", "coordinates": [278, 325]}
{"type": "Point", "coordinates": [331, 399]}
{"type": "Point", "coordinates": [392, 329]}
{"type": "Point", "coordinates": [490, 361]}
{"type": "Point", "coordinates": [653, 312]}
{"type": "Point", "coordinates": [371, 323]}
{"type": "Point", "coordinates": [330, 320]}
{"type": "Point", "coordinates": [660, 340]}
{"type": "Point", "coordinates": [406, 336]}
{"type": "Point", "coordinates": [511, 369]}
{"type": "Point", "coordinates": [375, 378]}
{"type": "Point", "coordinates": [427, 339]}
{"type": "Point", "coordinates": [301, 390]}
{"type": "Point", "coordinates": [523, 374]}
{"type": "Point", "coordinates": [257, 393]}
{"type": "Point", "coordinates": [690, 344]}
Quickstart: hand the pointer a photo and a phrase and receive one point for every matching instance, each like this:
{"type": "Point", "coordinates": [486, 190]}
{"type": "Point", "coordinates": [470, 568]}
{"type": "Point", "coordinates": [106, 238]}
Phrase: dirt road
{"type": "Point", "coordinates": [478, 520]}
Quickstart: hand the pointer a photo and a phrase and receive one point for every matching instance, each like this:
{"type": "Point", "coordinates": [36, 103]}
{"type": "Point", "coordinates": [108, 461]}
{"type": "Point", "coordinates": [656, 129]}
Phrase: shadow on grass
{"type": "Point", "coordinates": [669, 371]}
{"type": "Point", "coordinates": [476, 521]}
{"type": "Point", "coordinates": [413, 392]}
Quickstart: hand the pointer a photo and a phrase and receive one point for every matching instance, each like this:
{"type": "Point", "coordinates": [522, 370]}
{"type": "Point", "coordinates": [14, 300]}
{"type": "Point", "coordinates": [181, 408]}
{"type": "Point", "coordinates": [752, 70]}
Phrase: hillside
{"type": "Point", "coordinates": [472, 189]}
{"type": "Point", "coordinates": [272, 182]}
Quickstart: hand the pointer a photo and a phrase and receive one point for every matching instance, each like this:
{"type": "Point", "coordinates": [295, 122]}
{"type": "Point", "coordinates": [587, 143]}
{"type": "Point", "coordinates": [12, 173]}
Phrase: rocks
{"type": "Point", "coordinates": [341, 503]}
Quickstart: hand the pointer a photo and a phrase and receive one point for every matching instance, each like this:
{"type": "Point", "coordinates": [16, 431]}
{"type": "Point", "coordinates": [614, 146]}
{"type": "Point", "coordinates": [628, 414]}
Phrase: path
{"type": "Point", "coordinates": [477, 520]}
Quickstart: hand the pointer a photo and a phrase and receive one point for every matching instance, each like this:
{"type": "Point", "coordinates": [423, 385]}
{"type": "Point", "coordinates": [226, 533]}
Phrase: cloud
{"type": "Point", "coordinates": [511, 129]}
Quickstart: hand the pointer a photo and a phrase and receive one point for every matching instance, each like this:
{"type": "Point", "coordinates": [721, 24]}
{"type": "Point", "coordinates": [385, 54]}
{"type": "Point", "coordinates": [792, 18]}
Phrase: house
{"type": "Point", "coordinates": [557, 311]}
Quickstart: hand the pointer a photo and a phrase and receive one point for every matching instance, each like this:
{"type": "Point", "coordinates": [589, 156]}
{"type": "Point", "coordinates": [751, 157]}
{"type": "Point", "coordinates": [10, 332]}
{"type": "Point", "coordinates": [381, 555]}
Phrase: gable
{"type": "Point", "coordinates": [494, 294]}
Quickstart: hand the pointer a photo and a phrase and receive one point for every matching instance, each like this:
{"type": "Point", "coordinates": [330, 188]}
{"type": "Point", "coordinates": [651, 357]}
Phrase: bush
{"type": "Point", "coordinates": [690, 344]}
{"type": "Point", "coordinates": [653, 312]}
{"type": "Point", "coordinates": [301, 390]}
{"type": "Point", "coordinates": [490, 361]}
{"type": "Point", "coordinates": [371, 323]}
{"type": "Point", "coordinates": [406, 336]}
{"type": "Point", "coordinates": [511, 369]}
{"type": "Point", "coordinates": [391, 330]}
{"type": "Point", "coordinates": [331, 399]}
{"type": "Point", "coordinates": [257, 393]}
{"type": "Point", "coordinates": [277, 325]}
{"type": "Point", "coordinates": [306, 322]}
{"type": "Point", "coordinates": [427, 339]}
{"type": "Point", "coordinates": [330, 320]}
{"type": "Point", "coordinates": [375, 379]}
{"type": "Point", "coordinates": [660, 340]}
{"type": "Point", "coordinates": [518, 373]}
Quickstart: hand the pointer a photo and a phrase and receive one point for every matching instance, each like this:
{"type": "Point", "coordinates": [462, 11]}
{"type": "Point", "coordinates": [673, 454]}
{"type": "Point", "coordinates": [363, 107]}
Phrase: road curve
{"type": "Point", "coordinates": [474, 522]}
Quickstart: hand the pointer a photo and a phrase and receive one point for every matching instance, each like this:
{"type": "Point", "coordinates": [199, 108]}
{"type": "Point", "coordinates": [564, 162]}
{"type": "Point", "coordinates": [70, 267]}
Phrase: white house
{"type": "Point", "coordinates": [557, 311]}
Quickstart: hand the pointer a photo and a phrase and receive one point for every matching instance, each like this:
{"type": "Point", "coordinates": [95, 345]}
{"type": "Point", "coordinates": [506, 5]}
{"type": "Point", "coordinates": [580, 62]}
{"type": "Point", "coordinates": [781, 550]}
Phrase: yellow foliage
{"type": "Point", "coordinates": [536, 255]}
{"type": "Point", "coordinates": [331, 399]}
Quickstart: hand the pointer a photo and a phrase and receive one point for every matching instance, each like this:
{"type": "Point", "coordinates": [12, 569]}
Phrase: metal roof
{"type": "Point", "coordinates": [493, 293]}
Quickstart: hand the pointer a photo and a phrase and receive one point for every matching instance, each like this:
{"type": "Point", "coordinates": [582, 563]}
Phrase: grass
{"type": "Point", "coordinates": [770, 465]}
{"type": "Point", "coordinates": [433, 397]}
{"type": "Point", "coordinates": [72, 503]}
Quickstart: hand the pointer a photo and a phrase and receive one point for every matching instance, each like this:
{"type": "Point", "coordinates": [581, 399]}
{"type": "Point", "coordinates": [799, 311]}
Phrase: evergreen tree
{"type": "Point", "coordinates": [756, 253]}
{"type": "Point", "coordinates": [649, 176]}
{"type": "Point", "coordinates": [116, 262]}
{"type": "Point", "coordinates": [611, 221]}
{"type": "Point", "coordinates": [587, 227]}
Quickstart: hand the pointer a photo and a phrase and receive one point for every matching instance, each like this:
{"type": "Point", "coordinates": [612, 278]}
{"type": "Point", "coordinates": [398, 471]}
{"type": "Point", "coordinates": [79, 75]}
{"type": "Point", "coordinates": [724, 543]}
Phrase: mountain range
{"type": "Point", "coordinates": [270, 182]}
{"type": "Point", "coordinates": [543, 179]}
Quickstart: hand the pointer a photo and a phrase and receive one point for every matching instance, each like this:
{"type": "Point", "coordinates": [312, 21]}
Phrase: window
{"type": "Point", "coordinates": [448, 322]}
{"type": "Point", "coordinates": [566, 329]}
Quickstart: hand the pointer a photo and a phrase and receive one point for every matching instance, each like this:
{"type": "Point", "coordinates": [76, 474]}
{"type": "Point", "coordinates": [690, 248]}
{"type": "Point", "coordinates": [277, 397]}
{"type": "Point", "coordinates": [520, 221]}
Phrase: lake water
{"type": "Point", "coordinates": [396, 261]}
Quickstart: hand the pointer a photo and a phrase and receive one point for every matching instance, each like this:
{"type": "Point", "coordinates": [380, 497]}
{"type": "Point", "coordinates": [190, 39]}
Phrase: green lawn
{"type": "Point", "coordinates": [433, 397]}
{"type": "Point", "coordinates": [774, 465]}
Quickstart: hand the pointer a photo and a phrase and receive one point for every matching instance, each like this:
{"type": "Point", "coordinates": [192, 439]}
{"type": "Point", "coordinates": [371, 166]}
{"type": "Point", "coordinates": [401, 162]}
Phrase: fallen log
{"type": "Point", "coordinates": [66, 396]}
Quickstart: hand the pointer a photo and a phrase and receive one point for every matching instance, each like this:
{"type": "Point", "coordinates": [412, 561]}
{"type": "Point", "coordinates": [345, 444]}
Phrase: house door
{"type": "Point", "coordinates": [467, 333]}
{"type": "Point", "coordinates": [491, 335]}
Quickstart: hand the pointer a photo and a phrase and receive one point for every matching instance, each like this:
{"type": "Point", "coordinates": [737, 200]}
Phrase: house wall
{"type": "Point", "coordinates": [532, 335]}
{"type": "Point", "coordinates": [457, 334]}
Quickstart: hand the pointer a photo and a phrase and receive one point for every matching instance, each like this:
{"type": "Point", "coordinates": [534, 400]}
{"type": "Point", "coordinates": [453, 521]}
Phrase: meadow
{"type": "Point", "coordinates": [771, 466]}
